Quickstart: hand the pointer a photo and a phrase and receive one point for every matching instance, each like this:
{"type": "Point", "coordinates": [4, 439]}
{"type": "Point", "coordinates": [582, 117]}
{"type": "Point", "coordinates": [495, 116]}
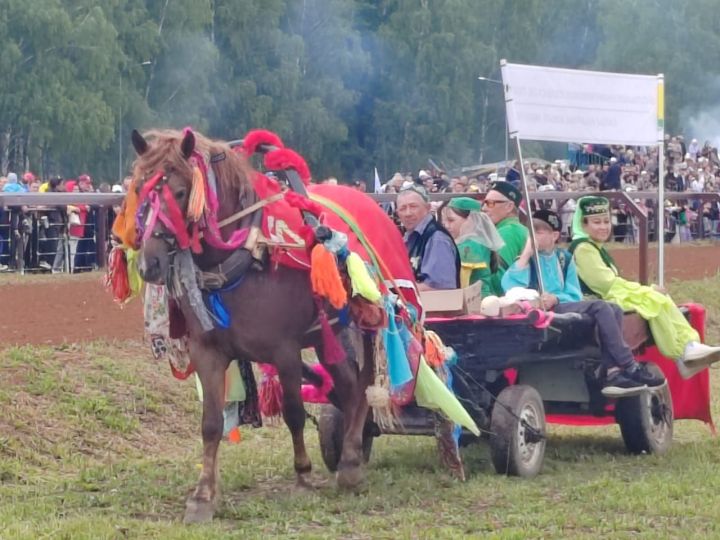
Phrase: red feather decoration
{"type": "Point", "coordinates": [255, 138]}
{"type": "Point", "coordinates": [288, 159]}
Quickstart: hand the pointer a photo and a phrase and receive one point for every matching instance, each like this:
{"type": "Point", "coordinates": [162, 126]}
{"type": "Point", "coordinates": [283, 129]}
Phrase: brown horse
{"type": "Point", "coordinates": [272, 312]}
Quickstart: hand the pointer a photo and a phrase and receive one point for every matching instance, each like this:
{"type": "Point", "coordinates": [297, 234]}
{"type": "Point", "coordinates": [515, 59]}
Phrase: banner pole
{"type": "Point", "coordinates": [531, 228]}
{"type": "Point", "coordinates": [511, 132]}
{"type": "Point", "coordinates": [660, 216]}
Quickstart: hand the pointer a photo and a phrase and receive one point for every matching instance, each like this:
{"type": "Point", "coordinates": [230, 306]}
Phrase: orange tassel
{"type": "Point", "coordinates": [234, 435]}
{"type": "Point", "coordinates": [325, 277]}
{"type": "Point", "coordinates": [196, 202]}
{"type": "Point", "coordinates": [124, 225]}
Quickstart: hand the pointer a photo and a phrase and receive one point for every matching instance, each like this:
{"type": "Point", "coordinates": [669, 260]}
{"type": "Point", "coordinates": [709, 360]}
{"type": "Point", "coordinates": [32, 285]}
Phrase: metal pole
{"type": "Point", "coordinates": [507, 140]}
{"type": "Point", "coordinates": [526, 195]}
{"type": "Point", "coordinates": [120, 167]}
{"type": "Point", "coordinates": [661, 180]}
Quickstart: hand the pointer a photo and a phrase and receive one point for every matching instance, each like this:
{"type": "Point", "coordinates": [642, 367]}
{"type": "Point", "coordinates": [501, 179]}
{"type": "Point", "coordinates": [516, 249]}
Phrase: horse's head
{"type": "Point", "coordinates": [185, 183]}
{"type": "Point", "coordinates": [164, 180]}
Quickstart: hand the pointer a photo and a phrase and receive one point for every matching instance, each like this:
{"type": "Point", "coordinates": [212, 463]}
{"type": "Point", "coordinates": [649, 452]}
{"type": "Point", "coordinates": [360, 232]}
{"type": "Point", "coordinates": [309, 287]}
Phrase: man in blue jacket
{"type": "Point", "coordinates": [625, 376]}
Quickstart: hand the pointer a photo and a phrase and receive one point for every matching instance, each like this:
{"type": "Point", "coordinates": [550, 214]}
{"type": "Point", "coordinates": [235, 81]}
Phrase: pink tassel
{"type": "Point", "coordinates": [333, 352]}
{"type": "Point", "coordinates": [313, 394]}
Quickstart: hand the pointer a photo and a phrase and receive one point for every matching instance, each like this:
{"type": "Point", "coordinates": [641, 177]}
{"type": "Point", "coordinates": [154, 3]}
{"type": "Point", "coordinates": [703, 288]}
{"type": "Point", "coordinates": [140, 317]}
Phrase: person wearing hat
{"type": "Point", "coordinates": [501, 204]}
{"type": "Point", "coordinates": [433, 255]}
{"type": "Point", "coordinates": [476, 238]}
{"type": "Point", "coordinates": [624, 376]}
{"type": "Point", "coordinates": [599, 276]}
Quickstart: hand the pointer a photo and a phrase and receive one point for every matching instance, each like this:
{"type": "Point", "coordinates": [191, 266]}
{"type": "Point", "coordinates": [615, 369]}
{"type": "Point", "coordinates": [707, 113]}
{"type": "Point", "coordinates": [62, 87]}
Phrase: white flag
{"type": "Point", "coordinates": [378, 186]}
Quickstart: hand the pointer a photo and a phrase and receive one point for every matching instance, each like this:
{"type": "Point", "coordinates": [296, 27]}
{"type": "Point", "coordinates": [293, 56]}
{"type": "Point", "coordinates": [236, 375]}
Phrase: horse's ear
{"type": "Point", "coordinates": [139, 142]}
{"type": "Point", "coordinates": [188, 143]}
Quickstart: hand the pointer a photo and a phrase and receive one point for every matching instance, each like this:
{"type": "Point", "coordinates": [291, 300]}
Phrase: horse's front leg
{"type": "Point", "coordinates": [210, 366]}
{"type": "Point", "coordinates": [288, 362]}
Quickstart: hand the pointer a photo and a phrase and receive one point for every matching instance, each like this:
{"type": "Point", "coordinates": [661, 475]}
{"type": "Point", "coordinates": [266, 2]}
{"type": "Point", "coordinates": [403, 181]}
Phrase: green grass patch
{"type": "Point", "coordinates": [98, 441]}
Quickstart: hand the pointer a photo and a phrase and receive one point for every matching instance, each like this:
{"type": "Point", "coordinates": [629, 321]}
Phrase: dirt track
{"type": "Point", "coordinates": [55, 309]}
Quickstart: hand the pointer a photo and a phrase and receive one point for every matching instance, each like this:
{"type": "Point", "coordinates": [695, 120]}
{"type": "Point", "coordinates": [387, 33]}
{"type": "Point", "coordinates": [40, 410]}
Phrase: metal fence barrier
{"type": "Point", "coordinates": [33, 238]}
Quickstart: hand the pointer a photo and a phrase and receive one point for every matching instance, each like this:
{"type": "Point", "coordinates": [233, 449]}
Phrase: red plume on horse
{"type": "Point", "coordinates": [206, 220]}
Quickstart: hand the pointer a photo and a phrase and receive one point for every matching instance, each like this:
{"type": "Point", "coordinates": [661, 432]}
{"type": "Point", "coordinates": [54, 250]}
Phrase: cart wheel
{"type": "Point", "coordinates": [330, 430]}
{"type": "Point", "coordinates": [517, 427]}
{"type": "Point", "coordinates": [646, 421]}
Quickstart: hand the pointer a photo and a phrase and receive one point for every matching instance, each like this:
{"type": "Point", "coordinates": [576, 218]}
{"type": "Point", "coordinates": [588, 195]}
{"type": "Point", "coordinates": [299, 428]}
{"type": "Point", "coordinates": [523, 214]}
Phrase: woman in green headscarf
{"type": "Point", "coordinates": [476, 239]}
{"type": "Point", "coordinates": [599, 276]}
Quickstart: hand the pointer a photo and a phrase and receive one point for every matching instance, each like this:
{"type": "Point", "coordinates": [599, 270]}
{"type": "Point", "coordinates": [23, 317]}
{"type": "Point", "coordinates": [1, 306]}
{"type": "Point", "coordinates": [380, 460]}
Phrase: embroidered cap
{"type": "Point", "coordinates": [548, 217]}
{"type": "Point", "coordinates": [465, 203]}
{"type": "Point", "coordinates": [508, 190]}
{"type": "Point", "coordinates": [593, 206]}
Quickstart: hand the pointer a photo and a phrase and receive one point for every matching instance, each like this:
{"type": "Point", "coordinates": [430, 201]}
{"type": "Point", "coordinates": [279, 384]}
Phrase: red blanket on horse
{"type": "Point", "coordinates": [284, 223]}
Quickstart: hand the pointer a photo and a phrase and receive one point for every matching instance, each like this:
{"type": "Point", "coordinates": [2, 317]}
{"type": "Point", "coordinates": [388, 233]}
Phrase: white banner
{"type": "Point", "coordinates": [567, 105]}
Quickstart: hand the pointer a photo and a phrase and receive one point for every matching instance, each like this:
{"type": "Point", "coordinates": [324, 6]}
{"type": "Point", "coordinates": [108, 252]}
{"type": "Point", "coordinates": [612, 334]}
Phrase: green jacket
{"type": "Point", "coordinates": [475, 264]}
{"type": "Point", "coordinates": [515, 235]}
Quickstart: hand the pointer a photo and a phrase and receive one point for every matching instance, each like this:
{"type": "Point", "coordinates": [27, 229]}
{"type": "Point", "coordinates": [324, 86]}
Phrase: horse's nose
{"type": "Point", "coordinates": [151, 270]}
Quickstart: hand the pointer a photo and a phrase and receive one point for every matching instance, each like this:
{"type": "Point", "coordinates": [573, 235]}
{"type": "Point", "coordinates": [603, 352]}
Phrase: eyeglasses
{"type": "Point", "coordinates": [490, 203]}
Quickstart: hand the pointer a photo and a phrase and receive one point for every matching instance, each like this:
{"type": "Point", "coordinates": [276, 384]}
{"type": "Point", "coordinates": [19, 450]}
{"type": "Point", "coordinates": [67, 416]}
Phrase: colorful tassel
{"type": "Point", "coordinates": [333, 352]}
{"type": "Point", "coordinates": [234, 436]}
{"type": "Point", "coordinates": [434, 349]}
{"type": "Point", "coordinates": [314, 394]}
{"type": "Point", "coordinates": [134, 279]}
{"type": "Point", "coordinates": [362, 282]}
{"type": "Point", "coordinates": [197, 201]}
{"type": "Point", "coordinates": [270, 392]}
{"type": "Point", "coordinates": [325, 277]}
{"type": "Point", "coordinates": [116, 277]}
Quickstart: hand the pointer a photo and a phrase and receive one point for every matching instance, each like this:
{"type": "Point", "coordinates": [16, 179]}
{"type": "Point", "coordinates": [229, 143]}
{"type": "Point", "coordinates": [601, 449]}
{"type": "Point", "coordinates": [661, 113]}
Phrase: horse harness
{"type": "Point", "coordinates": [251, 255]}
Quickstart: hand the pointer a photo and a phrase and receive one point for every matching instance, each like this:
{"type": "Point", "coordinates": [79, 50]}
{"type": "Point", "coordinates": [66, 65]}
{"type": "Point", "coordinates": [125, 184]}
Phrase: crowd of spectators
{"type": "Point", "coordinates": [691, 169]}
{"type": "Point", "coordinates": [49, 238]}
{"type": "Point", "coordinates": [62, 239]}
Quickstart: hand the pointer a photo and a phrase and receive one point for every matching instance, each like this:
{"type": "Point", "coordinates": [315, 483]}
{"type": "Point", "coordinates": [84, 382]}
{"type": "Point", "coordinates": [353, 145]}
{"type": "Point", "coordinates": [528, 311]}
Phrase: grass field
{"type": "Point", "coordinates": [96, 441]}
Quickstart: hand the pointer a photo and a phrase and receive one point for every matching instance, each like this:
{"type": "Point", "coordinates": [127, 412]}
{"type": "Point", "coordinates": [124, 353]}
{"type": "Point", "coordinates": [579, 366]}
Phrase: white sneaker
{"type": "Point", "coordinates": [699, 354]}
{"type": "Point", "coordinates": [687, 371]}
{"type": "Point", "coordinates": [490, 306]}
{"type": "Point", "coordinates": [45, 265]}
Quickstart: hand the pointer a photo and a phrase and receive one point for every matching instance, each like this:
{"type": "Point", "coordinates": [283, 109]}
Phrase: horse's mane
{"type": "Point", "coordinates": [164, 153]}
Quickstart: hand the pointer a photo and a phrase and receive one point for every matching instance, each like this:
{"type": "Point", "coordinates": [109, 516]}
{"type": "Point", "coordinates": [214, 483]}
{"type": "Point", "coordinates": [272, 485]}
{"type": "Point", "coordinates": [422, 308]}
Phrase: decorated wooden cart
{"type": "Point", "coordinates": [515, 374]}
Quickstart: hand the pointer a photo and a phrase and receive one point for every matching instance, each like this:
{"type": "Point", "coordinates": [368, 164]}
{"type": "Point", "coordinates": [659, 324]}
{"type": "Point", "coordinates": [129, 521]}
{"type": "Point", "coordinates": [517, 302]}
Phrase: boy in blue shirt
{"type": "Point", "coordinates": [625, 376]}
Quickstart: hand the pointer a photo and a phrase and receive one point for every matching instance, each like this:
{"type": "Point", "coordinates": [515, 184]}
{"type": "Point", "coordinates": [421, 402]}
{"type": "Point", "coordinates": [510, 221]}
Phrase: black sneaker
{"type": "Point", "coordinates": [640, 373]}
{"type": "Point", "coordinates": [620, 384]}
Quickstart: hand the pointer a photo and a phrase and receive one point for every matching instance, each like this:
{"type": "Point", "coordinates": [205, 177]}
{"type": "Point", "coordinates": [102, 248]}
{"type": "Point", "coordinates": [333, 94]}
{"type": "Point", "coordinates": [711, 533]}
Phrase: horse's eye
{"type": "Point", "coordinates": [180, 194]}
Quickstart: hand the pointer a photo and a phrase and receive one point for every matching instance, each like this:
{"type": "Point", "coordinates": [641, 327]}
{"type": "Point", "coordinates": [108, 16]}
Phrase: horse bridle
{"type": "Point", "coordinates": [174, 226]}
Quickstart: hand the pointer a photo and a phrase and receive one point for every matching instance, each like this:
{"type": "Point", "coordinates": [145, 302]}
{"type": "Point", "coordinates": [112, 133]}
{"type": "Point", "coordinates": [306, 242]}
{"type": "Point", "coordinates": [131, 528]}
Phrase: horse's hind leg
{"type": "Point", "coordinates": [288, 363]}
{"type": "Point", "coordinates": [350, 382]}
{"type": "Point", "coordinates": [210, 366]}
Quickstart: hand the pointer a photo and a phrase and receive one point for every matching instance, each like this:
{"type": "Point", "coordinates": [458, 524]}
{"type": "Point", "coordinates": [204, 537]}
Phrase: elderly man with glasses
{"type": "Point", "coordinates": [502, 204]}
{"type": "Point", "coordinates": [433, 255]}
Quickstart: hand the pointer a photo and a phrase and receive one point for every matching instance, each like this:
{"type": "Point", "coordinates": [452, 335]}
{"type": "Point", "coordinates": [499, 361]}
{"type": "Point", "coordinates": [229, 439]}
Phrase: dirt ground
{"type": "Point", "coordinates": [52, 309]}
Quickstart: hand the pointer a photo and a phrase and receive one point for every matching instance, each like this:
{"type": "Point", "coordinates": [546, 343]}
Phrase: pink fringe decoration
{"type": "Point", "coordinates": [311, 393]}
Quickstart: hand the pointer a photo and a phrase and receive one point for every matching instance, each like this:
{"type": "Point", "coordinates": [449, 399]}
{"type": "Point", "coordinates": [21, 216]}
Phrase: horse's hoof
{"type": "Point", "coordinates": [350, 478]}
{"type": "Point", "coordinates": [198, 511]}
{"type": "Point", "coordinates": [303, 481]}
